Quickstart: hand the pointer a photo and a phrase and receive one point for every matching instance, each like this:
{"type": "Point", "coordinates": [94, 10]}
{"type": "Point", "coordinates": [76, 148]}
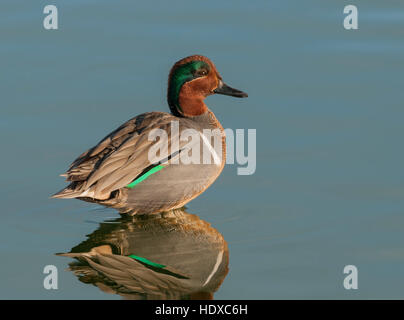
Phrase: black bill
{"type": "Point", "coordinates": [229, 91]}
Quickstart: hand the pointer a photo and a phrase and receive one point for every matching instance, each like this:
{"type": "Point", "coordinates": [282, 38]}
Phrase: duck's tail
{"type": "Point", "coordinates": [73, 190]}
{"type": "Point", "coordinates": [66, 194]}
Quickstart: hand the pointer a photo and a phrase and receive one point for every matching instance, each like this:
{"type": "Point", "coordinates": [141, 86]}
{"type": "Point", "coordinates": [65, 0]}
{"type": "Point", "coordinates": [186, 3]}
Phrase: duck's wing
{"type": "Point", "coordinates": [136, 276]}
{"type": "Point", "coordinates": [119, 158]}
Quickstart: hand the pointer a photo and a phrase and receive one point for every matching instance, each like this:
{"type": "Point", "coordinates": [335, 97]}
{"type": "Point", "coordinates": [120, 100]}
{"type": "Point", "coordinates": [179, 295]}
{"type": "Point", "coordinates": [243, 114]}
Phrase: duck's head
{"type": "Point", "coordinates": [191, 80]}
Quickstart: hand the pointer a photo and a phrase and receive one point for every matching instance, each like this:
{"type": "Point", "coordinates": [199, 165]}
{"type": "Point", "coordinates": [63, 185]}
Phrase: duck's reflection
{"type": "Point", "coordinates": [174, 255]}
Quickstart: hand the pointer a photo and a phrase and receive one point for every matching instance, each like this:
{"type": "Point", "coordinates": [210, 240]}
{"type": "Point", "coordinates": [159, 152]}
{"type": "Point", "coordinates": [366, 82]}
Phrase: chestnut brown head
{"type": "Point", "coordinates": [191, 80]}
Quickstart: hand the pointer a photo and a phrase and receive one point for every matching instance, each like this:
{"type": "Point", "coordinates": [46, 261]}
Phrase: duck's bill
{"type": "Point", "coordinates": [229, 91]}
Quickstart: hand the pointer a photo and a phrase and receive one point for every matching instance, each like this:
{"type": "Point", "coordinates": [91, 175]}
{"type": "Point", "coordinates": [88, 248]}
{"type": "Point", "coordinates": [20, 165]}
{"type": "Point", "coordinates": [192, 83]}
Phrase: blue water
{"type": "Point", "coordinates": [326, 103]}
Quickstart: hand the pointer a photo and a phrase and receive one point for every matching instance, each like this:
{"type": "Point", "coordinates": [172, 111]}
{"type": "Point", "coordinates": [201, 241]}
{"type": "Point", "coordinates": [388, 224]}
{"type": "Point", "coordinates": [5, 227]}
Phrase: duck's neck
{"type": "Point", "coordinates": [189, 102]}
{"type": "Point", "coordinates": [192, 106]}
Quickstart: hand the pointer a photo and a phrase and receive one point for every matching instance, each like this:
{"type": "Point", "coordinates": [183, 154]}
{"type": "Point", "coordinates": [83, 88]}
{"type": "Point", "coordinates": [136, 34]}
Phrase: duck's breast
{"type": "Point", "coordinates": [186, 175]}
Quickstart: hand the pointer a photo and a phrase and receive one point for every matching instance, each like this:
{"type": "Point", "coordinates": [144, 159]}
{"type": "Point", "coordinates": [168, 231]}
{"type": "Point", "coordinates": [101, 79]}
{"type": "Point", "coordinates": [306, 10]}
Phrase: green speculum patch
{"type": "Point", "coordinates": [144, 176]}
{"type": "Point", "coordinates": [180, 76]}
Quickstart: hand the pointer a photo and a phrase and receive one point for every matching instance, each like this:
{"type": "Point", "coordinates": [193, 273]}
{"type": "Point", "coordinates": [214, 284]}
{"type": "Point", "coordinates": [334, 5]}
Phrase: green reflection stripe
{"type": "Point", "coordinates": [146, 261]}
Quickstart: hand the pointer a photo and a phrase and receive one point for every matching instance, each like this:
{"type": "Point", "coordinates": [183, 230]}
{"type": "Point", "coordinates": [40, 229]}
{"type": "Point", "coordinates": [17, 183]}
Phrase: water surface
{"type": "Point", "coordinates": [326, 103]}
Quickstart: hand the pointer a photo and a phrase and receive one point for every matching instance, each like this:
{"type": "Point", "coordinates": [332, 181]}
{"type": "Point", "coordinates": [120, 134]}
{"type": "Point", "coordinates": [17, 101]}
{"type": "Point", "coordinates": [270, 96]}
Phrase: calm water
{"type": "Point", "coordinates": [326, 103]}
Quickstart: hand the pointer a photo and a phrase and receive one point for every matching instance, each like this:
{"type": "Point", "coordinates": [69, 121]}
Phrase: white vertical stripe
{"type": "Point", "coordinates": [218, 262]}
{"type": "Point", "coordinates": [216, 158]}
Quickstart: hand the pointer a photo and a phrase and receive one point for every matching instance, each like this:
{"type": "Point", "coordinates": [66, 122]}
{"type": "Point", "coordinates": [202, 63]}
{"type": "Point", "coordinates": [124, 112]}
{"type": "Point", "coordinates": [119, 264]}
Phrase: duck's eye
{"type": "Point", "coordinates": [201, 72]}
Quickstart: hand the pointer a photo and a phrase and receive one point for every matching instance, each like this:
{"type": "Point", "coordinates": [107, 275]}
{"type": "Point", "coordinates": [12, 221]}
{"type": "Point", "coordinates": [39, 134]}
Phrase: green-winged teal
{"type": "Point", "coordinates": [119, 171]}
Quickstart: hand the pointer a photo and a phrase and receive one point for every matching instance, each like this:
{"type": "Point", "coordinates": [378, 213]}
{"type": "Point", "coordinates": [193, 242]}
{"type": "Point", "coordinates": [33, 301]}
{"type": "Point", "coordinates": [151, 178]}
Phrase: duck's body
{"type": "Point", "coordinates": [122, 172]}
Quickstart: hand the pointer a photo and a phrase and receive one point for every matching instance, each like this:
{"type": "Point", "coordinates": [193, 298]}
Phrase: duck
{"type": "Point", "coordinates": [157, 161]}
